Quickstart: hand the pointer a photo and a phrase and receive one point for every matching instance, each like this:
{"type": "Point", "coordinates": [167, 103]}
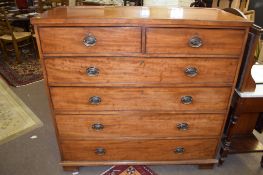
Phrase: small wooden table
{"type": "Point", "coordinates": [245, 116]}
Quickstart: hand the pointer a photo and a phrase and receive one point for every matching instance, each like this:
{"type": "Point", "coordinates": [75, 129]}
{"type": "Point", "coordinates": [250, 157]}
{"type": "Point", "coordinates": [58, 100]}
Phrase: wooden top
{"type": "Point", "coordinates": [139, 15]}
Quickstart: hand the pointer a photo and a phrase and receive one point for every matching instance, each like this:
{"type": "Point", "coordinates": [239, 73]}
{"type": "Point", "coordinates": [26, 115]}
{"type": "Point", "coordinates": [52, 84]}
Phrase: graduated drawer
{"type": "Point", "coordinates": [140, 70]}
{"type": "Point", "coordinates": [153, 150]}
{"type": "Point", "coordinates": [90, 40]}
{"type": "Point", "coordinates": [139, 125]}
{"type": "Point", "coordinates": [194, 41]}
{"type": "Point", "coordinates": [77, 99]}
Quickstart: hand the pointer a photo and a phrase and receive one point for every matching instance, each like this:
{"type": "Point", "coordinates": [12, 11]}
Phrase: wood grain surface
{"type": "Point", "coordinates": [140, 70]}
{"type": "Point", "coordinates": [175, 40]}
{"type": "Point", "coordinates": [245, 124]}
{"type": "Point", "coordinates": [108, 39]}
{"type": "Point", "coordinates": [144, 99]}
{"type": "Point", "coordinates": [139, 125]}
{"type": "Point", "coordinates": [96, 16]}
{"type": "Point", "coordinates": [150, 150]}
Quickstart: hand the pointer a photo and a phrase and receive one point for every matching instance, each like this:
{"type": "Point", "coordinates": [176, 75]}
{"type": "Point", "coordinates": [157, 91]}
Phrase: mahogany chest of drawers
{"type": "Point", "coordinates": [139, 85]}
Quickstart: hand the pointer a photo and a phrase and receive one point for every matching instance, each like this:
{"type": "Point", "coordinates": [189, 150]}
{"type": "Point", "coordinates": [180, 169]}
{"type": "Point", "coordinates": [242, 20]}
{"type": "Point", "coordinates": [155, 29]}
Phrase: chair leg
{"type": "Point", "coordinates": [4, 49]}
{"type": "Point", "coordinates": [35, 47]}
{"type": "Point", "coordinates": [18, 59]}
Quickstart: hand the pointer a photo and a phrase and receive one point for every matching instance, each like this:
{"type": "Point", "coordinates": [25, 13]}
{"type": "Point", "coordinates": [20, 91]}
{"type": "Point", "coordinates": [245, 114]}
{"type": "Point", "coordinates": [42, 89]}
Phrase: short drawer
{"type": "Point", "coordinates": [194, 41]}
{"type": "Point", "coordinates": [145, 99]}
{"type": "Point", "coordinates": [139, 125]}
{"type": "Point", "coordinates": [140, 70]}
{"type": "Point", "coordinates": [90, 40]}
{"type": "Point", "coordinates": [150, 150]}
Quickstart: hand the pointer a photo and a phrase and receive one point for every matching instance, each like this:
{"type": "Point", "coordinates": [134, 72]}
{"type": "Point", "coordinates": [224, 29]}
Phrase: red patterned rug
{"type": "Point", "coordinates": [129, 170]}
{"type": "Point", "coordinates": [27, 72]}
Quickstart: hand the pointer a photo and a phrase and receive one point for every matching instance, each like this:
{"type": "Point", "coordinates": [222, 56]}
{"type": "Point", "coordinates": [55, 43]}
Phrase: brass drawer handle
{"type": "Point", "coordinates": [179, 150]}
{"type": "Point", "coordinates": [182, 126]}
{"type": "Point", "coordinates": [186, 100]}
{"type": "Point", "coordinates": [98, 126]}
{"type": "Point", "coordinates": [195, 42]}
{"type": "Point", "coordinates": [95, 100]}
{"type": "Point", "coordinates": [100, 151]}
{"type": "Point", "coordinates": [92, 71]}
{"type": "Point", "coordinates": [89, 40]}
{"type": "Point", "coordinates": [191, 71]}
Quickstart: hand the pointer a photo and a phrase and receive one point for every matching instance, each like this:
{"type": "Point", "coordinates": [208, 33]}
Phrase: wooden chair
{"type": "Point", "coordinates": [242, 5]}
{"type": "Point", "coordinates": [9, 36]}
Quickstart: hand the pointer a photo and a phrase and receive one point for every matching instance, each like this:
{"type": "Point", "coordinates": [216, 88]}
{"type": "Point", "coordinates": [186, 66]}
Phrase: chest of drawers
{"type": "Point", "coordinates": [139, 85]}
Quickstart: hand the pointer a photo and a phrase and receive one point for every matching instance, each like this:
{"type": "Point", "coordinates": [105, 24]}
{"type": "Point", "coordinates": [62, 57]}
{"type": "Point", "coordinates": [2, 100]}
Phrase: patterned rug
{"type": "Point", "coordinates": [15, 117]}
{"type": "Point", "coordinates": [129, 170]}
{"type": "Point", "coordinates": [27, 72]}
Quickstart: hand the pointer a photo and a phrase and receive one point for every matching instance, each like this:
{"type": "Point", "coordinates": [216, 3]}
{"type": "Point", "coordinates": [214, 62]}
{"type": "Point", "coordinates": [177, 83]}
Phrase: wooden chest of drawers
{"type": "Point", "coordinates": [139, 85]}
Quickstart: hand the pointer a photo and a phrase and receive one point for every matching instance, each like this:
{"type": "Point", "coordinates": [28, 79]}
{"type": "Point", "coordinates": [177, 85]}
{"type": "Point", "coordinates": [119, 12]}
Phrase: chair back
{"type": "Point", "coordinates": [238, 4]}
{"type": "Point", "coordinates": [226, 4]}
{"type": "Point", "coordinates": [5, 27]}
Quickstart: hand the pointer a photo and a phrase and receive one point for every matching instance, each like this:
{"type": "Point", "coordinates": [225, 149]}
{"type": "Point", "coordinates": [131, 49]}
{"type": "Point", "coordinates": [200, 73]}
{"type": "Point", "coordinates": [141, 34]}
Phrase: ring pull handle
{"type": "Point", "coordinates": [97, 126]}
{"type": "Point", "coordinates": [100, 151]}
{"type": "Point", "coordinates": [89, 40]}
{"type": "Point", "coordinates": [95, 100]}
{"type": "Point", "coordinates": [92, 71]}
{"type": "Point", "coordinates": [195, 42]}
{"type": "Point", "coordinates": [191, 71]}
{"type": "Point", "coordinates": [179, 150]}
{"type": "Point", "coordinates": [182, 126]}
{"type": "Point", "coordinates": [186, 100]}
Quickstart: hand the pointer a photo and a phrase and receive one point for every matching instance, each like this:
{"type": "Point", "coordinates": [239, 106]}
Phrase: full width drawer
{"type": "Point", "coordinates": [194, 41]}
{"type": "Point", "coordinates": [153, 150]}
{"type": "Point", "coordinates": [89, 40]}
{"type": "Point", "coordinates": [139, 125]}
{"type": "Point", "coordinates": [140, 70]}
{"type": "Point", "coordinates": [147, 99]}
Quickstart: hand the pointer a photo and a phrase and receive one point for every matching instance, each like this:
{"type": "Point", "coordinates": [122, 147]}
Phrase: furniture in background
{"type": "Point", "coordinates": [133, 2]}
{"type": "Point", "coordinates": [91, 3]}
{"type": "Point", "coordinates": [242, 5]}
{"type": "Point", "coordinates": [198, 3]}
{"type": "Point", "coordinates": [21, 4]}
{"type": "Point", "coordinates": [44, 5]}
{"type": "Point", "coordinates": [101, 2]}
{"type": "Point", "coordinates": [227, 3]}
{"type": "Point", "coordinates": [175, 3]}
{"type": "Point", "coordinates": [134, 87]}
{"type": "Point", "coordinates": [7, 4]}
{"type": "Point", "coordinates": [247, 104]}
{"type": "Point", "coordinates": [258, 7]}
{"type": "Point", "coordinates": [8, 36]}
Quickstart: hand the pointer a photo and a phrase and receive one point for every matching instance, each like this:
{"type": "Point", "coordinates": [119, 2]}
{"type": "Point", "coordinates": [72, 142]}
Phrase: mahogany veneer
{"type": "Point", "coordinates": [139, 85]}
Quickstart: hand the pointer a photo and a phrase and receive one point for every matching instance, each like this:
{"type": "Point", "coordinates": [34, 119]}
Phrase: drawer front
{"type": "Point", "coordinates": [146, 99]}
{"type": "Point", "coordinates": [140, 70]}
{"type": "Point", "coordinates": [138, 125]}
{"type": "Point", "coordinates": [70, 40]}
{"type": "Point", "coordinates": [194, 41]}
{"type": "Point", "coordinates": [152, 150]}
